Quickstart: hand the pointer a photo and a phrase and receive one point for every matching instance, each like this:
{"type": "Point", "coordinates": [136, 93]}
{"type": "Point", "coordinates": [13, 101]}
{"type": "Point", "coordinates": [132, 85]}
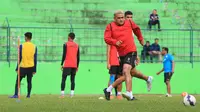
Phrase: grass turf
{"type": "Point", "coordinates": [87, 103]}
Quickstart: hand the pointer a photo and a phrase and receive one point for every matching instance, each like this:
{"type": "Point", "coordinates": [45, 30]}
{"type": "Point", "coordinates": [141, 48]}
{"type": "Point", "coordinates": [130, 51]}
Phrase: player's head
{"type": "Point", "coordinates": [156, 40]}
{"type": "Point", "coordinates": [28, 36]}
{"type": "Point", "coordinates": [119, 17]}
{"type": "Point", "coordinates": [147, 43]}
{"type": "Point", "coordinates": [165, 50]}
{"type": "Point", "coordinates": [154, 11]}
{"type": "Point", "coordinates": [128, 15]}
{"type": "Point", "coordinates": [71, 36]}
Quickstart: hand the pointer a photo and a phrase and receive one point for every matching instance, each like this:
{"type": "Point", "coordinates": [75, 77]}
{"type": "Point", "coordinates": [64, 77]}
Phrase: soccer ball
{"type": "Point", "coordinates": [189, 100]}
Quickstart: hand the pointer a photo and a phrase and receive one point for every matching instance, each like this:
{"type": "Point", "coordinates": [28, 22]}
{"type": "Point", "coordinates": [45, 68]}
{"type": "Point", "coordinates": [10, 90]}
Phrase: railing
{"type": "Point", "coordinates": [183, 44]}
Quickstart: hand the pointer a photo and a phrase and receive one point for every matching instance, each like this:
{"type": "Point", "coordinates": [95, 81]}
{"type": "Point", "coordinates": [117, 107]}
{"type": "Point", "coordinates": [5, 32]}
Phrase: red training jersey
{"type": "Point", "coordinates": [113, 58]}
{"type": "Point", "coordinates": [71, 55]}
{"type": "Point", "coordinates": [123, 33]}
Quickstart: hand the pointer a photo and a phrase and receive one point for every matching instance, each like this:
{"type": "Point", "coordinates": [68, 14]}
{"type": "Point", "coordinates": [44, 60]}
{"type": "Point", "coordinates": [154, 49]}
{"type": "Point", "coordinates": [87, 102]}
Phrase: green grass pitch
{"type": "Point", "coordinates": [91, 103]}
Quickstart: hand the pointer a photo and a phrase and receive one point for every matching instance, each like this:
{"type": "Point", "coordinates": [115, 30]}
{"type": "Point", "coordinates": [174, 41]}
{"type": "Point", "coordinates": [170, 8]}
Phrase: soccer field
{"type": "Point", "coordinates": [87, 103]}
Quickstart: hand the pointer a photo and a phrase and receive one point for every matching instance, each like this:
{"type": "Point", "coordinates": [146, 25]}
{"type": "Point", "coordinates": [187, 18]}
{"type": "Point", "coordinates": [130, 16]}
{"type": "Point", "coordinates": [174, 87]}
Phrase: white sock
{"type": "Point", "coordinates": [111, 93]}
{"type": "Point", "coordinates": [130, 94]}
{"type": "Point", "coordinates": [109, 89]}
{"type": "Point", "coordinates": [62, 92]}
{"type": "Point", "coordinates": [118, 93]}
{"type": "Point", "coordinates": [72, 92]}
{"type": "Point", "coordinates": [148, 80]}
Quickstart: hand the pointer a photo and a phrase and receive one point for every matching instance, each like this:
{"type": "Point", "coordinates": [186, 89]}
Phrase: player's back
{"type": "Point", "coordinates": [28, 50]}
{"type": "Point", "coordinates": [71, 54]}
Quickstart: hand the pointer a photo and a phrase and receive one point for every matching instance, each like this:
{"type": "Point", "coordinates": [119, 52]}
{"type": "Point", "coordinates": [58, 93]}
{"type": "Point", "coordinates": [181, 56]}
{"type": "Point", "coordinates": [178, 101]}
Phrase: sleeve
{"type": "Point", "coordinates": [78, 57]}
{"type": "Point", "coordinates": [108, 37]}
{"type": "Point", "coordinates": [35, 60]}
{"type": "Point", "coordinates": [157, 16]}
{"type": "Point", "coordinates": [150, 17]}
{"type": "Point", "coordinates": [171, 58]}
{"type": "Point", "coordinates": [64, 54]}
{"type": "Point", "coordinates": [137, 31]}
{"type": "Point", "coordinates": [152, 47]}
{"type": "Point", "coordinates": [144, 48]}
{"type": "Point", "coordinates": [20, 56]}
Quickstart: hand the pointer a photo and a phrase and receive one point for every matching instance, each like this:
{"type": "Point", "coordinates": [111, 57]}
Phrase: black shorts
{"type": "Point", "coordinates": [167, 76]}
{"type": "Point", "coordinates": [69, 71]}
{"type": "Point", "coordinates": [26, 71]}
{"type": "Point", "coordinates": [114, 70]}
{"type": "Point", "coordinates": [130, 59]}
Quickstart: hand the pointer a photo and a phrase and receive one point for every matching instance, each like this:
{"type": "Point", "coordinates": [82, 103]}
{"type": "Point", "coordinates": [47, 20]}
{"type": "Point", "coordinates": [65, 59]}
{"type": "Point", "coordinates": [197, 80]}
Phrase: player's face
{"type": "Point", "coordinates": [147, 44]}
{"type": "Point", "coordinates": [129, 17]}
{"type": "Point", "coordinates": [154, 12]}
{"type": "Point", "coordinates": [156, 41]}
{"type": "Point", "coordinates": [119, 19]}
{"type": "Point", "coordinates": [163, 52]}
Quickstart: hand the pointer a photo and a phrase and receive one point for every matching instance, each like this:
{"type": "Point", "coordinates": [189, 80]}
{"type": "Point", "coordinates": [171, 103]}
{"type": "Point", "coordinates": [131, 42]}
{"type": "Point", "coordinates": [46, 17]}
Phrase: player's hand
{"type": "Point", "coordinates": [137, 60]}
{"type": "Point", "coordinates": [172, 71]}
{"type": "Point", "coordinates": [118, 43]}
{"type": "Point", "coordinates": [142, 42]}
{"type": "Point", "coordinates": [61, 68]}
{"type": "Point", "coordinates": [158, 73]}
{"type": "Point", "coordinates": [108, 66]}
{"type": "Point", "coordinates": [34, 73]}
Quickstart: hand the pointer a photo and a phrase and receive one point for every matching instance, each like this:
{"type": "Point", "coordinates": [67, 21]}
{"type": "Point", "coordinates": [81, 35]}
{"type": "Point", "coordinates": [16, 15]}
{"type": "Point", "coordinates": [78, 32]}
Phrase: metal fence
{"type": "Point", "coordinates": [183, 44]}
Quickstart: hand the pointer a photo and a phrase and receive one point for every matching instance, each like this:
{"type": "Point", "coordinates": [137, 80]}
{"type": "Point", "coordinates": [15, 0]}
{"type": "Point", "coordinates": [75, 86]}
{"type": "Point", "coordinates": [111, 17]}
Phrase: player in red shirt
{"type": "Point", "coordinates": [114, 69]}
{"type": "Point", "coordinates": [120, 35]}
{"type": "Point", "coordinates": [69, 63]}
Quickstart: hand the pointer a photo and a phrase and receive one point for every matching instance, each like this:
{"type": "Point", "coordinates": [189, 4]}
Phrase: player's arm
{"type": "Point", "coordinates": [108, 56]}
{"type": "Point", "coordinates": [35, 61]}
{"type": "Point", "coordinates": [173, 63]}
{"type": "Point", "coordinates": [78, 57]}
{"type": "Point", "coordinates": [137, 32]}
{"type": "Point", "coordinates": [160, 71]}
{"type": "Point", "coordinates": [64, 55]}
{"type": "Point", "coordinates": [20, 57]}
{"type": "Point", "coordinates": [108, 37]}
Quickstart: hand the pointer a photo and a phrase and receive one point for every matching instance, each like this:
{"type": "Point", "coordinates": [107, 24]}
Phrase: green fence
{"type": "Point", "coordinates": [183, 44]}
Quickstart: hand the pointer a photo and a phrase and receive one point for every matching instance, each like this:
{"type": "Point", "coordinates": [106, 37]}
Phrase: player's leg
{"type": "Point", "coordinates": [109, 89]}
{"type": "Point", "coordinates": [130, 62]}
{"type": "Point", "coordinates": [22, 74]}
{"type": "Point", "coordinates": [72, 79]}
{"type": "Point", "coordinates": [112, 72]}
{"type": "Point", "coordinates": [29, 81]}
{"type": "Point", "coordinates": [167, 82]}
{"type": "Point", "coordinates": [64, 77]}
{"type": "Point", "coordinates": [136, 73]}
{"type": "Point", "coordinates": [119, 89]}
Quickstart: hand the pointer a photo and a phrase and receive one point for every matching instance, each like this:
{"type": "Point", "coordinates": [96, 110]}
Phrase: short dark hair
{"type": "Point", "coordinates": [166, 49]}
{"type": "Point", "coordinates": [147, 42]}
{"type": "Point", "coordinates": [154, 10]}
{"type": "Point", "coordinates": [28, 35]}
{"type": "Point", "coordinates": [156, 39]}
{"type": "Point", "coordinates": [128, 13]}
{"type": "Point", "coordinates": [71, 35]}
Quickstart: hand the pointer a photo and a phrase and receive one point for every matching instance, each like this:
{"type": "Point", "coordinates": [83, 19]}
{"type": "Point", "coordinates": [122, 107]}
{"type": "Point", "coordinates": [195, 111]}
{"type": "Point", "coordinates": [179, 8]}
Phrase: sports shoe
{"type": "Point", "coordinates": [111, 97]}
{"type": "Point", "coordinates": [62, 96]}
{"type": "Point", "coordinates": [128, 97]}
{"type": "Point", "coordinates": [71, 95]}
{"type": "Point", "coordinates": [14, 96]}
{"type": "Point", "coordinates": [28, 96]}
{"type": "Point", "coordinates": [149, 83]}
{"type": "Point", "coordinates": [119, 97]}
{"type": "Point", "coordinates": [168, 95]}
{"type": "Point", "coordinates": [107, 94]}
